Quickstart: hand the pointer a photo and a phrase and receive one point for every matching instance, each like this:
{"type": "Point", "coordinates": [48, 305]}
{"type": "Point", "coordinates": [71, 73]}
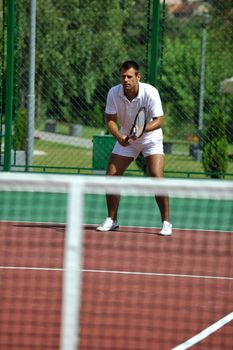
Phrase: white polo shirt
{"type": "Point", "coordinates": [148, 97]}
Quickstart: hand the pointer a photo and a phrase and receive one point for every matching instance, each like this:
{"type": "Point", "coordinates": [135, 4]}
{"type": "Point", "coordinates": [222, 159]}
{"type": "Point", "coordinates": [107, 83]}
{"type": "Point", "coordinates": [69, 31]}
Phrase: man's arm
{"type": "Point", "coordinates": [156, 123]}
{"type": "Point", "coordinates": [111, 123]}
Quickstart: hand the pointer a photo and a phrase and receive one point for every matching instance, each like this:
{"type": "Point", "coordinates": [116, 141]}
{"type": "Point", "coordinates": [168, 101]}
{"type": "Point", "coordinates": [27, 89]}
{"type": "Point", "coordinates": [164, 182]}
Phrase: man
{"type": "Point", "coordinates": [123, 102]}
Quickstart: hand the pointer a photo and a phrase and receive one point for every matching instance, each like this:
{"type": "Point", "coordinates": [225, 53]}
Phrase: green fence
{"type": "Point", "coordinates": [183, 47]}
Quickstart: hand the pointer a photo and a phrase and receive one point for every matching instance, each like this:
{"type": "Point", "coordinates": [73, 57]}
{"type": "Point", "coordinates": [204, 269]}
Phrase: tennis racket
{"type": "Point", "coordinates": [139, 124]}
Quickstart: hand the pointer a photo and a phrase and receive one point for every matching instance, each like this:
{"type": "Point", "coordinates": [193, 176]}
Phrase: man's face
{"type": "Point", "coordinates": [129, 79]}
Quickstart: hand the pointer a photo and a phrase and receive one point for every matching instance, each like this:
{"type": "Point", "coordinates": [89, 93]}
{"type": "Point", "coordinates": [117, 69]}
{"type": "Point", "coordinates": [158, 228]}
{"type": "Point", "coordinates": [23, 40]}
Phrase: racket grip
{"type": "Point", "coordinates": [128, 137]}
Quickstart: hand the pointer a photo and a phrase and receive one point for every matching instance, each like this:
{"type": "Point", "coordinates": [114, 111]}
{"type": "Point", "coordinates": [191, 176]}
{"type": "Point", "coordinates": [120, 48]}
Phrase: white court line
{"type": "Point", "coordinates": [30, 268]}
{"type": "Point", "coordinates": [205, 333]}
{"type": "Point", "coordinates": [187, 344]}
{"type": "Point", "coordinates": [121, 226]}
{"type": "Point", "coordinates": [119, 272]}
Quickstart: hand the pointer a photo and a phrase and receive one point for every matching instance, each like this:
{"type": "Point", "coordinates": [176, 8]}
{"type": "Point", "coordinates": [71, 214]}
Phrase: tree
{"type": "Point", "coordinates": [181, 73]}
{"type": "Point", "coordinates": [78, 46]}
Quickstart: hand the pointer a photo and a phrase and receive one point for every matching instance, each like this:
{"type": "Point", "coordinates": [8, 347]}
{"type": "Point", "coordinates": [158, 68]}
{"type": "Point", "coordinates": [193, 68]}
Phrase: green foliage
{"type": "Point", "coordinates": [21, 130]}
{"type": "Point", "coordinates": [80, 45]}
{"type": "Point", "coordinates": [181, 67]}
{"type": "Point", "coordinates": [97, 116]}
{"type": "Point", "coordinates": [181, 82]}
{"type": "Point", "coordinates": [215, 156]}
{"type": "Point", "coordinates": [70, 43]}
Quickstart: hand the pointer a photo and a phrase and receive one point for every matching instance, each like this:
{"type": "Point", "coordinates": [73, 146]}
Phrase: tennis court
{"type": "Point", "coordinates": [139, 290]}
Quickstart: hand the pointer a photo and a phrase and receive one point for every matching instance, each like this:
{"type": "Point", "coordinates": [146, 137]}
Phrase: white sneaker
{"type": "Point", "coordinates": [108, 225]}
{"type": "Point", "coordinates": [166, 229]}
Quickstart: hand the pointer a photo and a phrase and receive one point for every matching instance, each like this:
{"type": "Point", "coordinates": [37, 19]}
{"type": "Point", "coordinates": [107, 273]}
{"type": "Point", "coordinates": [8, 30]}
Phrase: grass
{"type": "Point", "coordinates": [52, 154]}
{"type": "Point", "coordinates": [56, 154]}
{"type": "Point", "coordinates": [65, 156]}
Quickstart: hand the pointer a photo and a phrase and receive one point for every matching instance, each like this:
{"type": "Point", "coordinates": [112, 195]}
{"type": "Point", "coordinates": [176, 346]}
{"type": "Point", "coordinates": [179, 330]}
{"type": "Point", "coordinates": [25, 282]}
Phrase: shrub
{"type": "Point", "coordinates": [215, 144]}
{"type": "Point", "coordinates": [97, 116]}
{"type": "Point", "coordinates": [20, 139]}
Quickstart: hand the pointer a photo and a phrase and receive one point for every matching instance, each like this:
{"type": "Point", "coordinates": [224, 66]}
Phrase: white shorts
{"type": "Point", "coordinates": [147, 149]}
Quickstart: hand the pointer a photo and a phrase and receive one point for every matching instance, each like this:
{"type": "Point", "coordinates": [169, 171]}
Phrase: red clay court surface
{"type": "Point", "coordinates": [140, 291]}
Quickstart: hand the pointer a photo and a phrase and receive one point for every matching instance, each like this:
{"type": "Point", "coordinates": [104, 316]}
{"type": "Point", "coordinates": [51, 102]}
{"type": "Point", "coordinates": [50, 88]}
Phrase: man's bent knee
{"type": "Point", "coordinates": [117, 165]}
{"type": "Point", "coordinates": [155, 165]}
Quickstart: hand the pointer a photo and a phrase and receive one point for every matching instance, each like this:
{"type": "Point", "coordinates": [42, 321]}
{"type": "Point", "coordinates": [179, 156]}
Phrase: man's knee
{"type": "Point", "coordinates": [117, 165]}
{"type": "Point", "coordinates": [155, 165]}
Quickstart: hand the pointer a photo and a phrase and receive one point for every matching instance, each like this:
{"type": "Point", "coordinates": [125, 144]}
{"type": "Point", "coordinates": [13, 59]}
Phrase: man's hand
{"type": "Point", "coordinates": [123, 140]}
{"type": "Point", "coordinates": [111, 123]}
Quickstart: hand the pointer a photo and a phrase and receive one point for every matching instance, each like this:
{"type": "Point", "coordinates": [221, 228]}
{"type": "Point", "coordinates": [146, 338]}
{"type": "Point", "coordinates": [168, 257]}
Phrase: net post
{"type": "Point", "coordinates": [72, 269]}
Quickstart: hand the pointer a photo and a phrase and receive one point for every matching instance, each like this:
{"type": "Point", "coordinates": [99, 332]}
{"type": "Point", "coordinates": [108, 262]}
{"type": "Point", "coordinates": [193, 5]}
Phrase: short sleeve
{"type": "Point", "coordinates": [156, 109]}
{"type": "Point", "coordinates": [110, 107]}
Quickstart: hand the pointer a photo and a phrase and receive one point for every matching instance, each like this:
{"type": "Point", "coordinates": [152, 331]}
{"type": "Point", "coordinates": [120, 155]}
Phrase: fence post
{"type": "Point", "coordinates": [31, 91]}
{"type": "Point", "coordinates": [9, 85]}
{"type": "Point", "coordinates": [154, 42]}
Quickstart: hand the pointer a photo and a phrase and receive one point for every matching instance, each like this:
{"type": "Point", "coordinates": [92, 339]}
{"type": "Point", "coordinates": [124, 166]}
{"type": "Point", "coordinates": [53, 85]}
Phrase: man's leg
{"type": "Point", "coordinates": [116, 167]}
{"type": "Point", "coordinates": [155, 164]}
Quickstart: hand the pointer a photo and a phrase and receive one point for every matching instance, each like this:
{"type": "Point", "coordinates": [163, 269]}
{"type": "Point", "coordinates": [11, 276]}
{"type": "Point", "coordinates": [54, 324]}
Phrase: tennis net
{"type": "Point", "coordinates": [66, 286]}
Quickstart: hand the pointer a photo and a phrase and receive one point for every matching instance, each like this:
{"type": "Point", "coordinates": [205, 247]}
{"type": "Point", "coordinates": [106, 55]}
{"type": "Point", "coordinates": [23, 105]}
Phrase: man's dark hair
{"type": "Point", "coordinates": [130, 64]}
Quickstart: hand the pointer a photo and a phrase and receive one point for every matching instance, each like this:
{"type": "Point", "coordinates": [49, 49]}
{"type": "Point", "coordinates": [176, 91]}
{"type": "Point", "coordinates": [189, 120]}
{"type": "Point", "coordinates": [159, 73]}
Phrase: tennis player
{"type": "Point", "coordinates": [123, 102]}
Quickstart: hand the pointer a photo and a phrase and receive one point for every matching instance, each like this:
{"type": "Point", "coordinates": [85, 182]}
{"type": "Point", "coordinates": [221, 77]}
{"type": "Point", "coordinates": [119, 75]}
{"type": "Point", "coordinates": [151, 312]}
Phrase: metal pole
{"type": "Point", "coordinates": [9, 85]}
{"type": "Point", "coordinates": [31, 91]}
{"type": "Point", "coordinates": [154, 42]}
{"type": "Point", "coordinates": [202, 78]}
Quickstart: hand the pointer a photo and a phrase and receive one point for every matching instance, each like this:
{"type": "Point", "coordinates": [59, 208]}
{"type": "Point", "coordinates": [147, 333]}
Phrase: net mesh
{"type": "Point", "coordinates": [66, 286]}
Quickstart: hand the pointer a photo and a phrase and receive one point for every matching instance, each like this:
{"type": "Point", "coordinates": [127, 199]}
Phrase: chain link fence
{"type": "Point", "coordinates": [79, 46]}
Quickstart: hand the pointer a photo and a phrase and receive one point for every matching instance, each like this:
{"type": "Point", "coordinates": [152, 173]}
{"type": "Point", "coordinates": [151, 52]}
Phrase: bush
{"type": "Point", "coordinates": [215, 144]}
{"type": "Point", "coordinates": [20, 139]}
{"type": "Point", "coordinates": [97, 116]}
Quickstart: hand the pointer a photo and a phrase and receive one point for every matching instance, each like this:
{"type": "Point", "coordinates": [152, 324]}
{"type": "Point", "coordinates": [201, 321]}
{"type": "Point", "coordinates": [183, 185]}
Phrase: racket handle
{"type": "Point", "coordinates": [132, 135]}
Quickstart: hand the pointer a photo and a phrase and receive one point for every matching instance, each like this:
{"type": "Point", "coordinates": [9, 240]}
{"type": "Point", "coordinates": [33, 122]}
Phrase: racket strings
{"type": "Point", "coordinates": [140, 124]}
